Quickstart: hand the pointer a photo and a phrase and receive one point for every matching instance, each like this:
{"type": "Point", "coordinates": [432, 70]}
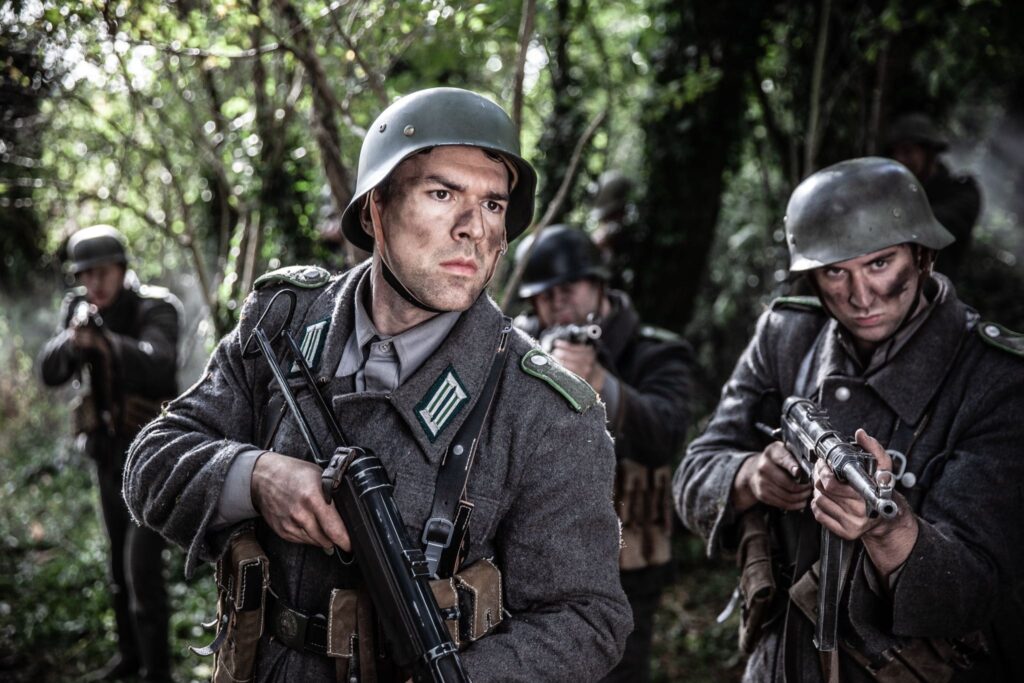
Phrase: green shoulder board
{"type": "Point", "coordinates": [577, 393]}
{"type": "Point", "coordinates": [306, 277]}
{"type": "Point", "coordinates": [659, 333]}
{"type": "Point", "coordinates": [798, 303]}
{"type": "Point", "coordinates": [1002, 338]}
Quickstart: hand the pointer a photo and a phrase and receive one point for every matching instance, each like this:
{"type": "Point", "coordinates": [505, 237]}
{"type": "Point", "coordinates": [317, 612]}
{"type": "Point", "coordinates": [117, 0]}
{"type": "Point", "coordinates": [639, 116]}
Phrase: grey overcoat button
{"type": "Point", "coordinates": [908, 479]}
{"type": "Point", "coordinates": [842, 394]}
{"type": "Point", "coordinates": [539, 360]}
{"type": "Point", "coordinates": [992, 330]}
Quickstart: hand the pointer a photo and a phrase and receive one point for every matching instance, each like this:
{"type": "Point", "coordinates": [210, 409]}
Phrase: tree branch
{"type": "Point", "coordinates": [813, 130]}
{"type": "Point", "coordinates": [525, 33]}
{"type": "Point", "coordinates": [554, 207]}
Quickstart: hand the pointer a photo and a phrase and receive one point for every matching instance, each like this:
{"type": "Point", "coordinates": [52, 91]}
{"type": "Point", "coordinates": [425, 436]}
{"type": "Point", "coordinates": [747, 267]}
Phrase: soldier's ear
{"type": "Point", "coordinates": [365, 221]}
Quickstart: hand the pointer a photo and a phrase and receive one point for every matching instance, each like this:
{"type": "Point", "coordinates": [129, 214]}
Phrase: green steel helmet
{"type": "Point", "coordinates": [857, 207]}
{"type": "Point", "coordinates": [917, 128]}
{"type": "Point", "coordinates": [95, 246]}
{"type": "Point", "coordinates": [612, 195]}
{"type": "Point", "coordinates": [432, 118]}
{"type": "Point", "coordinates": [562, 254]}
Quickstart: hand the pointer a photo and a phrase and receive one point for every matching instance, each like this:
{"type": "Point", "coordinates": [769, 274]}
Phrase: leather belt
{"type": "Point", "coordinates": [295, 629]}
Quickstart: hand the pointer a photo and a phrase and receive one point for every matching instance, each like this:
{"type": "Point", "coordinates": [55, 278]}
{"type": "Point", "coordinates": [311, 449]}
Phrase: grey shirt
{"type": "Point", "coordinates": [379, 362]}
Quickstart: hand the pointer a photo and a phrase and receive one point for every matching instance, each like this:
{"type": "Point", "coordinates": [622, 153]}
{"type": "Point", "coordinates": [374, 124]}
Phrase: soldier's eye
{"type": "Point", "coordinates": [880, 263]}
{"type": "Point", "coordinates": [493, 206]}
{"type": "Point", "coordinates": [441, 194]}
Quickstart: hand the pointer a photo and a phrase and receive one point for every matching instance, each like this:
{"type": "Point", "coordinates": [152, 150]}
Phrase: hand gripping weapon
{"type": "Point", "coordinates": [394, 569]}
{"type": "Point", "coordinates": [809, 436]}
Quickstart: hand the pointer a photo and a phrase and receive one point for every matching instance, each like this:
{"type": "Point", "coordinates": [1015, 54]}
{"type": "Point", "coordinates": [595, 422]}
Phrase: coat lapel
{"type": "Point", "coordinates": [438, 398]}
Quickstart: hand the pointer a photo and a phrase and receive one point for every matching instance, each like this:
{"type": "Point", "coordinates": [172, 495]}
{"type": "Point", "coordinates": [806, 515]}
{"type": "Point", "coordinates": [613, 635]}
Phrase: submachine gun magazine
{"type": "Point", "coordinates": [393, 567]}
{"type": "Point", "coordinates": [809, 435]}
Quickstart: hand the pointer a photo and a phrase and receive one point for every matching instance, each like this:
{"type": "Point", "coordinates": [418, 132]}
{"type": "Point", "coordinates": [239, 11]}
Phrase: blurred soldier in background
{"type": "Point", "coordinates": [118, 340]}
{"type": "Point", "coordinates": [642, 374]}
{"type": "Point", "coordinates": [931, 392]}
{"type": "Point", "coordinates": [916, 142]}
{"type": "Point", "coordinates": [615, 229]}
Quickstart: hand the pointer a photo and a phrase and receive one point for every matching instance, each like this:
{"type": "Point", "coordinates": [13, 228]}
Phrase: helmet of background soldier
{"type": "Point", "coordinates": [916, 128]}
{"type": "Point", "coordinates": [857, 207]}
{"type": "Point", "coordinates": [95, 246]}
{"type": "Point", "coordinates": [433, 118]}
{"type": "Point", "coordinates": [562, 254]}
{"type": "Point", "coordinates": [612, 196]}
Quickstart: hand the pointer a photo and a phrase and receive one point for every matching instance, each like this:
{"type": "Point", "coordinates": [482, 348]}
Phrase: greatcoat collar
{"type": "Point", "coordinates": [468, 350]}
{"type": "Point", "coordinates": [908, 381]}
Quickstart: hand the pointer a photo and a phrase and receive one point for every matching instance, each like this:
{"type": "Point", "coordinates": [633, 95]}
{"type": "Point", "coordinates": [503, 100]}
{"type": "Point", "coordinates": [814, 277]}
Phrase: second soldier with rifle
{"type": "Point", "coordinates": [400, 350]}
{"type": "Point", "coordinates": [930, 590]}
{"type": "Point", "coordinates": [643, 375]}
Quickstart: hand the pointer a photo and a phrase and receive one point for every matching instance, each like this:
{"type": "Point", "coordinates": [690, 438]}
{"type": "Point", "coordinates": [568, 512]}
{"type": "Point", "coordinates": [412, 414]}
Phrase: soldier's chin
{"type": "Point", "coordinates": [452, 299]}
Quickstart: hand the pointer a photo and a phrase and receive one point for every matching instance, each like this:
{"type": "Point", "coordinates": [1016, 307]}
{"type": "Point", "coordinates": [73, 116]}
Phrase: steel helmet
{"type": "Point", "coordinates": [562, 254]}
{"type": "Point", "coordinates": [612, 194]}
{"type": "Point", "coordinates": [857, 207]}
{"type": "Point", "coordinates": [917, 128]}
{"type": "Point", "coordinates": [95, 246]}
{"type": "Point", "coordinates": [432, 118]}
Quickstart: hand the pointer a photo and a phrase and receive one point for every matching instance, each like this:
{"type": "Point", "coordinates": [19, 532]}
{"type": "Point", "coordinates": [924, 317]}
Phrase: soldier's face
{"type": "Point", "coordinates": [871, 295]}
{"type": "Point", "coordinates": [103, 283]}
{"type": "Point", "coordinates": [445, 224]}
{"type": "Point", "coordinates": [568, 303]}
{"type": "Point", "coordinates": [918, 158]}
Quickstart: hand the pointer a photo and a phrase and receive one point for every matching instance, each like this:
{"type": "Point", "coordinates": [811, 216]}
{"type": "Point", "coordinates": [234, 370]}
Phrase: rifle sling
{"type": "Point", "coordinates": [444, 533]}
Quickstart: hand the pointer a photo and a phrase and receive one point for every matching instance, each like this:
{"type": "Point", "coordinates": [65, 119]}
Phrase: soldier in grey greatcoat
{"type": "Point", "coordinates": [402, 347]}
{"type": "Point", "coordinates": [119, 340]}
{"type": "Point", "coordinates": [643, 375]}
{"type": "Point", "coordinates": [893, 356]}
{"type": "Point", "coordinates": [916, 142]}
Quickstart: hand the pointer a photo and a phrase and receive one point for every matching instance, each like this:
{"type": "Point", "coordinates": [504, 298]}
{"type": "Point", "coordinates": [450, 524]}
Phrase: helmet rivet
{"type": "Point", "coordinates": [409, 131]}
{"type": "Point", "coordinates": [896, 212]}
{"type": "Point", "coordinates": [383, 127]}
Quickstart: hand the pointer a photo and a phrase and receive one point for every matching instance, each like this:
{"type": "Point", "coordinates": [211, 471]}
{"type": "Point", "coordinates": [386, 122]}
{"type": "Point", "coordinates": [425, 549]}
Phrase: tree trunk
{"type": "Point", "coordinates": [690, 145]}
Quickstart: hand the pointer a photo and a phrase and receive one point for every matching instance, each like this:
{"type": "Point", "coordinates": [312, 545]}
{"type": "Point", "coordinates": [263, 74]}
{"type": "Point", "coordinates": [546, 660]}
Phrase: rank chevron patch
{"type": "Point", "coordinates": [442, 403]}
{"type": "Point", "coordinates": [312, 345]}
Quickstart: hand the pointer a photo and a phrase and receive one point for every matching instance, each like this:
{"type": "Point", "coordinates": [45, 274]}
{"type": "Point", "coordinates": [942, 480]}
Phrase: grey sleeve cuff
{"type": "Point", "coordinates": [611, 394]}
{"type": "Point", "coordinates": [235, 503]}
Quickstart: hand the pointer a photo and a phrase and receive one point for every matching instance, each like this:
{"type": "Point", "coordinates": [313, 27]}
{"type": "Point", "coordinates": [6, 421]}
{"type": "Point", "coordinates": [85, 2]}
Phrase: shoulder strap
{"type": "Point", "coordinates": [445, 532]}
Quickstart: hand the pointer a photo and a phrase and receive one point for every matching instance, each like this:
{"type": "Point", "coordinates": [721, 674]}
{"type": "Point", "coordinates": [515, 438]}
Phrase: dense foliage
{"type": "Point", "coordinates": [222, 137]}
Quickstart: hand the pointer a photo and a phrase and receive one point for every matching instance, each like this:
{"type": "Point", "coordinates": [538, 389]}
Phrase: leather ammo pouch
{"type": "Point", "coordinates": [757, 585]}
{"type": "Point", "coordinates": [84, 418]}
{"type": "Point", "coordinates": [137, 412]}
{"type": "Point", "coordinates": [242, 579]}
{"type": "Point", "coordinates": [471, 601]}
{"type": "Point", "coordinates": [913, 660]}
{"type": "Point", "coordinates": [658, 530]}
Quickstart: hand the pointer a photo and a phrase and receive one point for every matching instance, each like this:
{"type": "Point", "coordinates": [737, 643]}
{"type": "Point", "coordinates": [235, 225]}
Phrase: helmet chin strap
{"type": "Point", "coordinates": [389, 274]}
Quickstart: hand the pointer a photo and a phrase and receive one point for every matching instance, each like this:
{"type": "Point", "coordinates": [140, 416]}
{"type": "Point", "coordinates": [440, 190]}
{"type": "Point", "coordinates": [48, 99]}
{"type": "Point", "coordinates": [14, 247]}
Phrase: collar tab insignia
{"type": "Point", "coordinates": [314, 338]}
{"type": "Point", "coordinates": [442, 402]}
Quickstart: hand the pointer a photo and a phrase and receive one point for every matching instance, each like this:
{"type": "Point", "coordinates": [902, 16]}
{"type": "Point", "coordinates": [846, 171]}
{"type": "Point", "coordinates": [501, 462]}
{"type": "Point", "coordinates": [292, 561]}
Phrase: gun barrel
{"type": "Point", "coordinates": [846, 460]}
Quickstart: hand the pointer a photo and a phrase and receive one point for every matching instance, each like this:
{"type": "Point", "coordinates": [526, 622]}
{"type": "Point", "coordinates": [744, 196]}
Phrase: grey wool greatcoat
{"type": "Point", "coordinates": [964, 399]}
{"type": "Point", "coordinates": [541, 485]}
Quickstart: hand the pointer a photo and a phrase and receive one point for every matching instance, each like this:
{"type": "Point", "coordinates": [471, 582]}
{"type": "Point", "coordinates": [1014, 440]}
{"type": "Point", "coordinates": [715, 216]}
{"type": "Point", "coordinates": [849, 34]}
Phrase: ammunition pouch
{"type": "Point", "coordinates": [85, 419]}
{"type": "Point", "coordinates": [137, 412]}
{"type": "Point", "coordinates": [242, 583]}
{"type": "Point", "coordinates": [911, 660]}
{"type": "Point", "coordinates": [757, 584]}
{"type": "Point", "coordinates": [644, 500]}
{"type": "Point", "coordinates": [470, 602]}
